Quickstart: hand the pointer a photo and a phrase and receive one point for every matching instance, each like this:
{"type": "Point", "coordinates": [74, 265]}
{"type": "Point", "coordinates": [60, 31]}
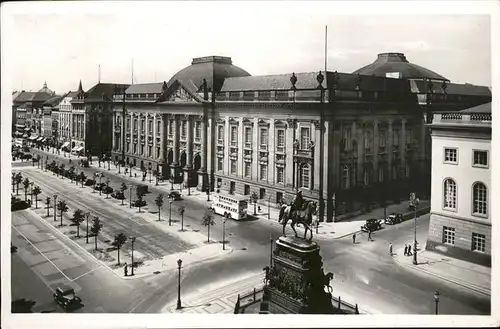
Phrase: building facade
{"type": "Point", "coordinates": [65, 119]}
{"type": "Point", "coordinates": [348, 141]}
{"type": "Point", "coordinates": [91, 121]}
{"type": "Point", "coordinates": [50, 106]}
{"type": "Point", "coordinates": [461, 184]}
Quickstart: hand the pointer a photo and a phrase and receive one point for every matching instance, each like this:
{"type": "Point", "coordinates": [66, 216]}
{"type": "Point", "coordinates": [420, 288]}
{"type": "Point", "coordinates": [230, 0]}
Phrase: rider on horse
{"type": "Point", "coordinates": [297, 202]}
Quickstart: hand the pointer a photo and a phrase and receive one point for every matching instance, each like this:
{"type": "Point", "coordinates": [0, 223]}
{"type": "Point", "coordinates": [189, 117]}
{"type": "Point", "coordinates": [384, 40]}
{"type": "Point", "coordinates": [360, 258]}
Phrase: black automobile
{"type": "Point", "coordinates": [100, 186]}
{"type": "Point", "coordinates": [139, 203]}
{"type": "Point", "coordinates": [118, 195]}
{"type": "Point", "coordinates": [371, 225]}
{"type": "Point", "coordinates": [393, 219]}
{"type": "Point", "coordinates": [174, 195]}
{"type": "Point", "coordinates": [67, 299]}
{"type": "Point", "coordinates": [89, 182]}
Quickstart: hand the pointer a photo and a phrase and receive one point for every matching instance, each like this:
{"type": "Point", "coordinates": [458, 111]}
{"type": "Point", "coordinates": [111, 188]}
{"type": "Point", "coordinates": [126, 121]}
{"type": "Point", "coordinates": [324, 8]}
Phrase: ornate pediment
{"type": "Point", "coordinates": [180, 94]}
{"type": "Point", "coordinates": [247, 121]}
{"type": "Point", "coordinates": [280, 123]}
{"type": "Point", "coordinates": [263, 122]}
{"type": "Point", "coordinates": [233, 121]}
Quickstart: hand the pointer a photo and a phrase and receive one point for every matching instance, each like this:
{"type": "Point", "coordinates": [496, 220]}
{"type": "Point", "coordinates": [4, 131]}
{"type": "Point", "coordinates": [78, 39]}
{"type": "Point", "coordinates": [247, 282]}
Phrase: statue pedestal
{"type": "Point", "coordinates": [297, 281]}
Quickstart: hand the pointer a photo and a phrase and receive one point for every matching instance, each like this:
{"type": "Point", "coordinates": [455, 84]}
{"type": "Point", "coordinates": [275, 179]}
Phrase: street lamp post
{"type": "Point", "coordinates": [224, 219]}
{"type": "Point", "coordinates": [149, 168]}
{"type": "Point", "coordinates": [87, 214]}
{"type": "Point", "coordinates": [436, 301]}
{"type": "Point", "coordinates": [55, 198]}
{"type": "Point", "coordinates": [109, 162]}
{"type": "Point", "coordinates": [170, 211]}
{"type": "Point", "coordinates": [269, 208]}
{"type": "Point", "coordinates": [271, 254]}
{"type": "Point", "coordinates": [100, 186]}
{"type": "Point", "coordinates": [132, 239]}
{"type": "Point", "coordinates": [130, 196]}
{"type": "Point", "coordinates": [179, 305]}
{"type": "Point", "coordinates": [414, 201]}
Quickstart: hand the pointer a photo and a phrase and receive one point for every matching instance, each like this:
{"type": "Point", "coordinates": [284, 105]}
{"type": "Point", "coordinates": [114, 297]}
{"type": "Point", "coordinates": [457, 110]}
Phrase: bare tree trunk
{"type": "Point", "coordinates": [118, 256]}
{"type": "Point", "coordinates": [95, 240]}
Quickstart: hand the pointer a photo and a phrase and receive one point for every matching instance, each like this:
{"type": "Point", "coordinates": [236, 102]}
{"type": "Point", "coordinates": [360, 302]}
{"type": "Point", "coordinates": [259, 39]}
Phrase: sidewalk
{"type": "Point", "coordinates": [219, 300]}
{"type": "Point", "coordinates": [465, 274]}
{"type": "Point", "coordinates": [401, 208]}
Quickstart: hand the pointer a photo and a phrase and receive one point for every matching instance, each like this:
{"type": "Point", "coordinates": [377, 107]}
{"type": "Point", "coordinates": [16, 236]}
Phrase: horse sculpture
{"type": "Point", "coordinates": [299, 216]}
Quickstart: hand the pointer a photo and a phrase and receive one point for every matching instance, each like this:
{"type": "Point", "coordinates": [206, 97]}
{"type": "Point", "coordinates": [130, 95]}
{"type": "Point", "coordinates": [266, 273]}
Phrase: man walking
{"type": "Point", "coordinates": [409, 250]}
{"type": "Point", "coordinates": [354, 238]}
{"type": "Point", "coordinates": [390, 248]}
{"type": "Point", "coordinates": [370, 236]}
{"type": "Point", "coordinates": [406, 250]}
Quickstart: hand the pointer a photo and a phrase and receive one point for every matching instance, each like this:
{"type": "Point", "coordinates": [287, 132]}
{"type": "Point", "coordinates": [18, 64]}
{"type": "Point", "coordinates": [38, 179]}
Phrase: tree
{"type": "Point", "coordinates": [71, 173]}
{"type": "Point", "coordinates": [13, 181]}
{"type": "Point", "coordinates": [181, 212]}
{"type": "Point", "coordinates": [123, 188]}
{"type": "Point", "coordinates": [19, 179]}
{"type": "Point", "coordinates": [62, 207]}
{"type": "Point", "coordinates": [61, 169]}
{"type": "Point", "coordinates": [78, 218]}
{"type": "Point", "coordinates": [119, 241]}
{"type": "Point", "coordinates": [36, 192]}
{"type": "Point", "coordinates": [26, 184]}
{"type": "Point", "coordinates": [208, 220]}
{"type": "Point", "coordinates": [159, 204]}
{"type": "Point", "coordinates": [96, 228]}
{"type": "Point", "coordinates": [47, 201]}
{"type": "Point", "coordinates": [140, 202]}
{"type": "Point", "coordinates": [107, 189]}
{"type": "Point", "coordinates": [254, 197]}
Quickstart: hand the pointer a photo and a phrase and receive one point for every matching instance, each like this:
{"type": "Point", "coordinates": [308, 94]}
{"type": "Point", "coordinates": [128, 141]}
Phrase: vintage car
{"type": "Point", "coordinates": [89, 182]}
{"type": "Point", "coordinates": [174, 195]}
{"type": "Point", "coordinates": [66, 297]}
{"type": "Point", "coordinates": [371, 225]}
{"type": "Point", "coordinates": [118, 195]}
{"type": "Point", "coordinates": [393, 219]}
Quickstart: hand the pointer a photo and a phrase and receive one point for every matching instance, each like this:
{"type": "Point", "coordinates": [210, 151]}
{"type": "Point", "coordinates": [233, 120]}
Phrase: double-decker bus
{"type": "Point", "coordinates": [235, 206]}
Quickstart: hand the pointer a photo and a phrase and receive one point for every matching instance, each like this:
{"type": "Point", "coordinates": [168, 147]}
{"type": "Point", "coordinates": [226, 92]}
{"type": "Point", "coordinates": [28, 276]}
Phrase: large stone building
{"type": "Point", "coordinates": [50, 106]}
{"type": "Point", "coordinates": [461, 184]}
{"type": "Point", "coordinates": [345, 140]}
{"type": "Point", "coordinates": [27, 109]}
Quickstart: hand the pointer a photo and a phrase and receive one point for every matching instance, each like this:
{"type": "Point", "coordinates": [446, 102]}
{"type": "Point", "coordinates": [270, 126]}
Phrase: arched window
{"type": "Point", "coordinates": [479, 197]}
{"type": "Point", "coordinates": [305, 176]}
{"type": "Point", "coordinates": [346, 174]}
{"type": "Point", "coordinates": [450, 194]}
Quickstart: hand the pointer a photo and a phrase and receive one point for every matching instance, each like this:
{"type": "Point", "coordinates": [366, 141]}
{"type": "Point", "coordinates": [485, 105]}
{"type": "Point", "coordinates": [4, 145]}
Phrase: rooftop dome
{"type": "Point", "coordinates": [46, 90]}
{"type": "Point", "coordinates": [212, 68]}
{"type": "Point", "coordinates": [396, 65]}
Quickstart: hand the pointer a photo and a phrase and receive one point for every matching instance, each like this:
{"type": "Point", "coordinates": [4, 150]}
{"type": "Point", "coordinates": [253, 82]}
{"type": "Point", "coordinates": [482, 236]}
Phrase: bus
{"type": "Point", "coordinates": [235, 206]}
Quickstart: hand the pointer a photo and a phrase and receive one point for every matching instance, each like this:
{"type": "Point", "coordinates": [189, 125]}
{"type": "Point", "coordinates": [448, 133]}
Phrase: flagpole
{"type": "Point", "coordinates": [326, 46]}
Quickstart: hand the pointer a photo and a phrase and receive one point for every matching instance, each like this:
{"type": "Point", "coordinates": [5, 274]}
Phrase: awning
{"type": "Point", "coordinates": [24, 136]}
{"type": "Point", "coordinates": [79, 148]}
{"type": "Point", "coordinates": [39, 139]}
{"type": "Point", "coordinates": [74, 148]}
{"type": "Point", "coordinates": [65, 144]}
{"type": "Point", "coordinates": [27, 129]}
{"type": "Point", "coordinates": [43, 139]}
{"type": "Point", "coordinates": [33, 138]}
{"type": "Point", "coordinates": [20, 126]}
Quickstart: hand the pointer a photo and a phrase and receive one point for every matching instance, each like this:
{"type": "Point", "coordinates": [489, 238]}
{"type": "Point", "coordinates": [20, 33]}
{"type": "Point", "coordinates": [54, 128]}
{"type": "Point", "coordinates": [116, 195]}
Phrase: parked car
{"type": "Point", "coordinates": [100, 186]}
{"type": "Point", "coordinates": [174, 195]}
{"type": "Point", "coordinates": [118, 195]}
{"type": "Point", "coordinates": [371, 225]}
{"type": "Point", "coordinates": [67, 299]}
{"type": "Point", "coordinates": [393, 219]}
{"type": "Point", "coordinates": [143, 188]}
{"type": "Point", "coordinates": [107, 189]}
{"type": "Point", "coordinates": [89, 182]}
{"type": "Point", "coordinates": [139, 203]}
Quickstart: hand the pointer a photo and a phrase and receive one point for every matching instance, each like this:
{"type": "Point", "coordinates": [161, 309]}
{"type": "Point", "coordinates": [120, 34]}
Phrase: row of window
{"type": "Point", "coordinates": [382, 137]}
{"type": "Point", "coordinates": [141, 149]}
{"type": "Point", "coordinates": [349, 178]}
{"type": "Point", "coordinates": [263, 141]}
{"type": "Point", "coordinates": [304, 172]}
{"type": "Point", "coordinates": [478, 242]}
{"type": "Point", "coordinates": [479, 197]}
{"type": "Point", "coordinates": [479, 157]}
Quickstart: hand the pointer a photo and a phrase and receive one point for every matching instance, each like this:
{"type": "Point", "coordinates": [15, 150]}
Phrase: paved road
{"type": "Point", "coordinates": [364, 272]}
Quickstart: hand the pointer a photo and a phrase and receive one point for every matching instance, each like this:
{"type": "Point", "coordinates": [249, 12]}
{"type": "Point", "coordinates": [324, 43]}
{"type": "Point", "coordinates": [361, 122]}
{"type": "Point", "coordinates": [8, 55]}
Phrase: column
{"type": "Point", "coordinates": [204, 145]}
{"type": "Point", "coordinates": [402, 147]}
{"type": "Point", "coordinates": [176, 140]}
{"type": "Point", "coordinates": [271, 166]}
{"type": "Point", "coordinates": [390, 142]}
{"type": "Point", "coordinates": [241, 135]}
{"type": "Point", "coordinates": [361, 155]}
{"type": "Point", "coordinates": [227, 145]}
{"type": "Point", "coordinates": [375, 150]}
{"type": "Point", "coordinates": [289, 133]}
{"type": "Point", "coordinates": [189, 143]}
{"type": "Point", "coordinates": [256, 147]}
{"type": "Point", "coordinates": [316, 133]}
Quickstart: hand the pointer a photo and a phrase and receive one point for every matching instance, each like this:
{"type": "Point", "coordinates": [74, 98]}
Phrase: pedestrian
{"type": "Point", "coordinates": [370, 236]}
{"type": "Point", "coordinates": [409, 249]}
{"type": "Point", "coordinates": [354, 238]}
{"type": "Point", "coordinates": [406, 250]}
{"type": "Point", "coordinates": [390, 248]}
{"type": "Point", "coordinates": [125, 270]}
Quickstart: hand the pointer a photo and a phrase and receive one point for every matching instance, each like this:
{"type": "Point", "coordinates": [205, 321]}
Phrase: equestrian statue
{"type": "Point", "coordinates": [299, 211]}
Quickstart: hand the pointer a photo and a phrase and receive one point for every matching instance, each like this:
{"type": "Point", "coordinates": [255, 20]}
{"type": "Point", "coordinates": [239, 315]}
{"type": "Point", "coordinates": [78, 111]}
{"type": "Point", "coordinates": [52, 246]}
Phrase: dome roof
{"type": "Point", "coordinates": [212, 68]}
{"type": "Point", "coordinates": [46, 90]}
{"type": "Point", "coordinates": [398, 65]}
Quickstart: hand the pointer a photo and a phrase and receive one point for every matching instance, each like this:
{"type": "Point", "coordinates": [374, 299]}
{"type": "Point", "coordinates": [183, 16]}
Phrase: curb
{"type": "Point", "coordinates": [465, 284]}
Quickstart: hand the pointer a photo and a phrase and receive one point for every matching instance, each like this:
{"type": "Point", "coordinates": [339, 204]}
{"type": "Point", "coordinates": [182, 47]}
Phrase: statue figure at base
{"type": "Point", "coordinates": [299, 211]}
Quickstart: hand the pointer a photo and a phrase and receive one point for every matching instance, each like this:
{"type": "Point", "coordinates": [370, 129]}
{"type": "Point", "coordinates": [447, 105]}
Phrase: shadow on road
{"type": "Point", "coordinates": [22, 306]}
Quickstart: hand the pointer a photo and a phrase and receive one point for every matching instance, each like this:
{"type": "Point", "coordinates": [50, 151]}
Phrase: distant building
{"type": "Point", "coordinates": [91, 118]}
{"type": "Point", "coordinates": [460, 223]}
{"type": "Point", "coordinates": [50, 106]}
{"type": "Point", "coordinates": [65, 118]}
{"type": "Point", "coordinates": [348, 141]}
{"type": "Point", "coordinates": [28, 109]}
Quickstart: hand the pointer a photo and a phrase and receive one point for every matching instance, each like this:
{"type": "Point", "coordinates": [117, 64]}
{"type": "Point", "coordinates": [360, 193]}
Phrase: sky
{"type": "Point", "coordinates": [62, 44]}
